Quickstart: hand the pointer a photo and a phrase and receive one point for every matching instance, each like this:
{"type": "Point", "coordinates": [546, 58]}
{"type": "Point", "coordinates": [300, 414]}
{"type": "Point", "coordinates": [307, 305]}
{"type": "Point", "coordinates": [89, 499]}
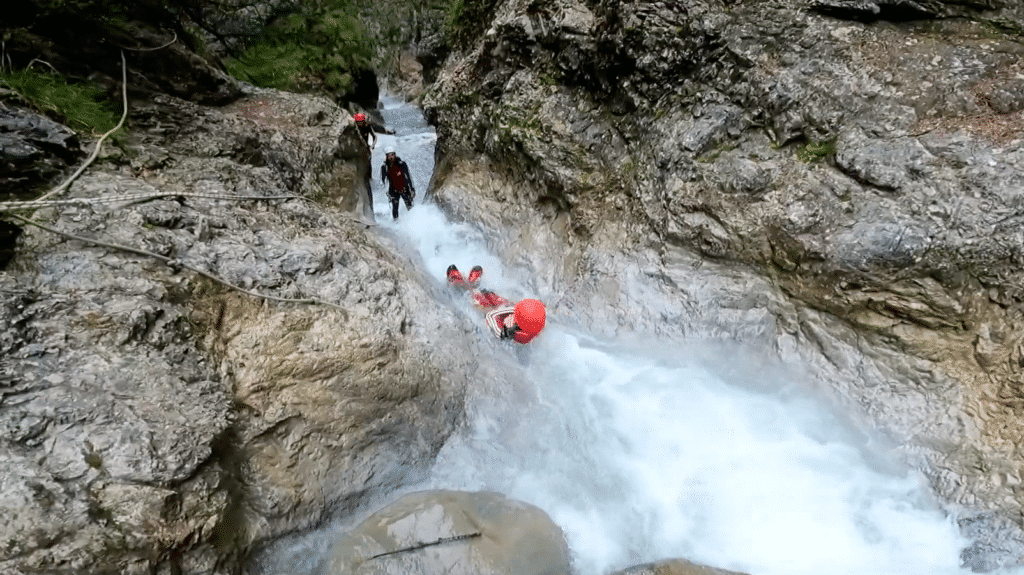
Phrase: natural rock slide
{"type": "Point", "coordinates": [779, 243]}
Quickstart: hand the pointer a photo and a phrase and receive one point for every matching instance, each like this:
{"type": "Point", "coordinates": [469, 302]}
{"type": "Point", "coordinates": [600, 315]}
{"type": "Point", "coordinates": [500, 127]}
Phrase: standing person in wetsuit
{"type": "Point", "coordinates": [366, 131]}
{"type": "Point", "coordinates": [395, 172]}
{"type": "Point", "coordinates": [369, 138]}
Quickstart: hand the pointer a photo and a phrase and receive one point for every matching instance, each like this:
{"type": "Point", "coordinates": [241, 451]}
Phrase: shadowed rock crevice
{"type": "Point", "coordinates": [870, 11]}
{"type": "Point", "coordinates": [9, 234]}
{"type": "Point", "coordinates": [34, 151]}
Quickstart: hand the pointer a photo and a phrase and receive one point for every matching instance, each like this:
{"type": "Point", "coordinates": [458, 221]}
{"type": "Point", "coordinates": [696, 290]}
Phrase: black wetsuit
{"type": "Point", "coordinates": [400, 185]}
{"type": "Point", "coordinates": [366, 130]}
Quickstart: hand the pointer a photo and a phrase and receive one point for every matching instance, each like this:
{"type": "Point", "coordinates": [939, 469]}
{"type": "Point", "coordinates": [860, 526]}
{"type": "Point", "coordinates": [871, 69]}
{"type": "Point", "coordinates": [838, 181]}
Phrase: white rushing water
{"type": "Point", "coordinates": [642, 456]}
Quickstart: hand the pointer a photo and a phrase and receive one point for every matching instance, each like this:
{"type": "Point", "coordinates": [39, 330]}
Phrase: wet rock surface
{"type": "Point", "coordinates": [834, 182]}
{"type": "Point", "coordinates": [157, 420]}
{"type": "Point", "coordinates": [843, 189]}
{"type": "Point", "coordinates": [674, 567]}
{"type": "Point", "coordinates": [456, 532]}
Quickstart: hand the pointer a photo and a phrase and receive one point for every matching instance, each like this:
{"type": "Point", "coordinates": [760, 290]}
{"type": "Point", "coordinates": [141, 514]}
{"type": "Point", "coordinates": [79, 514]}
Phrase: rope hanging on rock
{"type": "Point", "coordinates": [99, 143]}
{"type": "Point", "coordinates": [175, 265]}
{"type": "Point", "coordinates": [41, 203]}
{"type": "Point", "coordinates": [431, 544]}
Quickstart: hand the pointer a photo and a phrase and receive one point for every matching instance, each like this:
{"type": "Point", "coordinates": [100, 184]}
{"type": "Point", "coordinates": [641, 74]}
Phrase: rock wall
{"type": "Point", "coordinates": [840, 181]}
{"type": "Point", "coordinates": [157, 421]}
{"type": "Point", "coordinates": [837, 181]}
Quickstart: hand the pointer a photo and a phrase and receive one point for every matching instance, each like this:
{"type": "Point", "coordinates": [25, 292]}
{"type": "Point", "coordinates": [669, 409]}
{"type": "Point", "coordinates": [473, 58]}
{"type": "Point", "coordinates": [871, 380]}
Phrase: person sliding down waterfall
{"type": "Point", "coordinates": [396, 172]}
{"type": "Point", "coordinates": [520, 322]}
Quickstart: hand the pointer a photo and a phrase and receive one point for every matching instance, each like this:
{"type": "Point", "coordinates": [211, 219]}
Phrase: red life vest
{"type": "Point", "coordinates": [396, 177]}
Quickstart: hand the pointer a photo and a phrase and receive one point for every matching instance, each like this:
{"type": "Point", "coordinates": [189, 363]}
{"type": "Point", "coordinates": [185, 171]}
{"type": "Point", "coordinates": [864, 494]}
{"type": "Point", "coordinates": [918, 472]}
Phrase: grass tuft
{"type": "Point", "coordinates": [81, 107]}
{"type": "Point", "coordinates": [317, 47]}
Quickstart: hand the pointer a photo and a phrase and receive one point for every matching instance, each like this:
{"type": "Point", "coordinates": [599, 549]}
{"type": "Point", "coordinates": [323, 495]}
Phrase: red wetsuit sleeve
{"type": "Point", "coordinates": [522, 337]}
{"type": "Point", "coordinates": [489, 299]}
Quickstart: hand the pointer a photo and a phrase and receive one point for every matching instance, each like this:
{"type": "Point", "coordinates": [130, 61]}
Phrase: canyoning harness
{"type": "Point", "coordinates": [397, 175]}
{"type": "Point", "coordinates": [501, 323]}
{"type": "Point", "coordinates": [499, 320]}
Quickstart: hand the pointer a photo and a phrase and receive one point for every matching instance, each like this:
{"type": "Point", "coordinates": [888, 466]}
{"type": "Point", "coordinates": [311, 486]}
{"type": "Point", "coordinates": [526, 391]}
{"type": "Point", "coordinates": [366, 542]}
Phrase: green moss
{"type": "Point", "coordinates": [1003, 26]}
{"type": "Point", "coordinates": [81, 107]}
{"type": "Point", "coordinates": [94, 460]}
{"type": "Point", "coordinates": [530, 123]}
{"type": "Point", "coordinates": [197, 44]}
{"type": "Point", "coordinates": [468, 99]}
{"type": "Point", "coordinates": [722, 148]}
{"type": "Point", "coordinates": [815, 151]}
{"type": "Point", "coordinates": [630, 169]}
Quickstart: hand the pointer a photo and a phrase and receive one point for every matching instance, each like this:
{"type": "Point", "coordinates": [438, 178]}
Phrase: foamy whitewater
{"type": "Point", "coordinates": [643, 456]}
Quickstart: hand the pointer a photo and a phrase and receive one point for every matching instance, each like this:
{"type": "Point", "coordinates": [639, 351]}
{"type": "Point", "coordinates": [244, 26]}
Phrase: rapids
{"type": "Point", "coordinates": [713, 454]}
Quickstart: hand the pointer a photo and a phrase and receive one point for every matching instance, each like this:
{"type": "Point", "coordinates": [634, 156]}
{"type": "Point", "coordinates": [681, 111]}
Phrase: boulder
{"type": "Point", "coordinates": [675, 567]}
{"type": "Point", "coordinates": [453, 532]}
{"type": "Point", "coordinates": [34, 151]}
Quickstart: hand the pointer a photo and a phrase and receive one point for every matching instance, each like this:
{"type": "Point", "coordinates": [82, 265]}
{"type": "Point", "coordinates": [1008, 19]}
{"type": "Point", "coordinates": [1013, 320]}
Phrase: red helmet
{"type": "Point", "coordinates": [359, 117]}
{"type": "Point", "coordinates": [529, 315]}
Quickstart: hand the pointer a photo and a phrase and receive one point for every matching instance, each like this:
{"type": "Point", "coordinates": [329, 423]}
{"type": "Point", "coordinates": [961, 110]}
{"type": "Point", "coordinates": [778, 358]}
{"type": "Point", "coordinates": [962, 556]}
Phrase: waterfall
{"type": "Point", "coordinates": [640, 458]}
{"type": "Point", "coordinates": [649, 452]}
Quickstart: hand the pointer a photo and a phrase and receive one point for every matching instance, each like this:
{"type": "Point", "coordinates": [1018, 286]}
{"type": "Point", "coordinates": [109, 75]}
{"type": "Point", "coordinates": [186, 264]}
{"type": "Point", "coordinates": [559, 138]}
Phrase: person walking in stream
{"type": "Point", "coordinates": [368, 133]}
{"type": "Point", "coordinates": [395, 172]}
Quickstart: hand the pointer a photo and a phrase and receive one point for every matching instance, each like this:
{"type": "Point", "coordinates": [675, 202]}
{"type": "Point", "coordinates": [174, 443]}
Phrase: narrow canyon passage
{"type": "Point", "coordinates": [647, 452]}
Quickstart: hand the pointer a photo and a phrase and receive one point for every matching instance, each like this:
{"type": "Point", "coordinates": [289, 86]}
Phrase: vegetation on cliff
{"type": "Point", "coordinates": [312, 46]}
{"type": "Point", "coordinates": [467, 19]}
{"type": "Point", "coordinates": [80, 106]}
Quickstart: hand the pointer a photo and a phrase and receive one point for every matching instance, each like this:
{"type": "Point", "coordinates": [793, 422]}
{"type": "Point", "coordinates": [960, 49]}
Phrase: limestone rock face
{"type": "Point", "coordinates": [461, 533]}
{"type": "Point", "coordinates": [156, 420]}
{"type": "Point", "coordinates": [838, 181]}
{"type": "Point", "coordinates": [34, 150]}
{"type": "Point", "coordinates": [826, 180]}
